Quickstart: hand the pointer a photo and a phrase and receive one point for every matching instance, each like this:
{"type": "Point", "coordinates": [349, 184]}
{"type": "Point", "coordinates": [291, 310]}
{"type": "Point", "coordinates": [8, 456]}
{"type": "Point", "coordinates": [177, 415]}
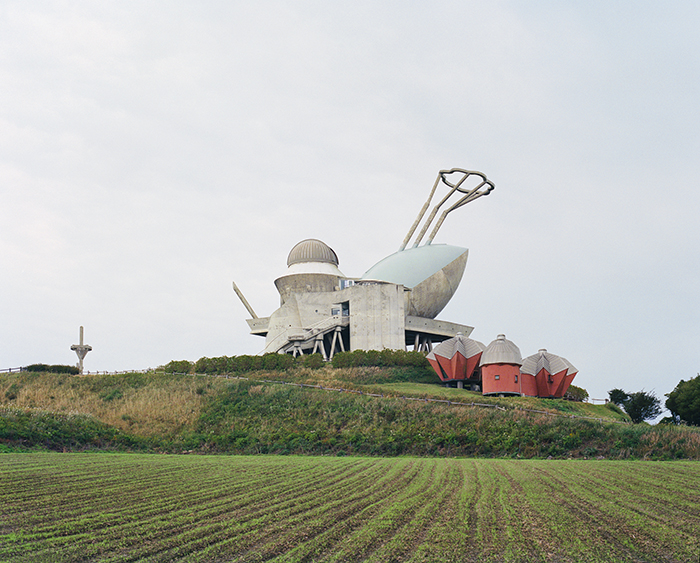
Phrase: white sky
{"type": "Point", "coordinates": [151, 153]}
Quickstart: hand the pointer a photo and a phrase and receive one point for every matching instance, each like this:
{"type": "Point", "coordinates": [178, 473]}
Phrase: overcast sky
{"type": "Point", "coordinates": [151, 153]}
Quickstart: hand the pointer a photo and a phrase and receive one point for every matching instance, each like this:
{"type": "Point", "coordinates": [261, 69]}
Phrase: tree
{"type": "Point", "coordinates": [641, 406]}
{"type": "Point", "coordinates": [684, 401]}
{"type": "Point", "coordinates": [618, 397]}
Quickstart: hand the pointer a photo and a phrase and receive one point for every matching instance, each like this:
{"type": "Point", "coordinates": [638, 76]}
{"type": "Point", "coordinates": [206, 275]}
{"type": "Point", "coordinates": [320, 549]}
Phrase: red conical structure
{"type": "Point", "coordinates": [456, 359]}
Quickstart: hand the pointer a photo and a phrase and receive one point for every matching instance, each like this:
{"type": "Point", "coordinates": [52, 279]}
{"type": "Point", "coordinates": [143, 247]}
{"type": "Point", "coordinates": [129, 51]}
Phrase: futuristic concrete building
{"type": "Point", "coordinates": [394, 305]}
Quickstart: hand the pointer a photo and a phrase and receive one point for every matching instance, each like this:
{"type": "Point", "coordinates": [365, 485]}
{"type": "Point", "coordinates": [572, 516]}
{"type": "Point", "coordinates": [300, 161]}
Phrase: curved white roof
{"type": "Point", "coordinates": [412, 266]}
{"type": "Point", "coordinates": [460, 343]}
{"type": "Point", "coordinates": [501, 351]}
{"type": "Point", "coordinates": [312, 250]}
{"type": "Point", "coordinates": [532, 365]}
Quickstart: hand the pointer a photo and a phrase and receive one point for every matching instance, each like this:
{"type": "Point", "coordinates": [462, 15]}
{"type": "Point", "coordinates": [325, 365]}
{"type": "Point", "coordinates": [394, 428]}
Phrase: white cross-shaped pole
{"type": "Point", "coordinates": [82, 350]}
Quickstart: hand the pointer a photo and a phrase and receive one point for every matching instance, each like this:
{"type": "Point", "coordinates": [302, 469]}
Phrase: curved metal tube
{"type": "Point", "coordinates": [470, 195]}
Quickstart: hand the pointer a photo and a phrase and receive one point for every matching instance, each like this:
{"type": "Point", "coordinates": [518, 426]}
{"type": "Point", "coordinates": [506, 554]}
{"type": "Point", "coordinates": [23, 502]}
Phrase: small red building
{"type": "Point", "coordinates": [457, 359]}
{"type": "Point", "coordinates": [500, 368]}
{"type": "Point", "coordinates": [552, 374]}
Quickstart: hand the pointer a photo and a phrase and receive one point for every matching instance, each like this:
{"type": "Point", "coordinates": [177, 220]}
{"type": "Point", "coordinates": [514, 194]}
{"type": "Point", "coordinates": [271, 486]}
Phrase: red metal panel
{"type": "Point", "coordinates": [543, 384]}
{"type": "Point", "coordinates": [528, 385]}
{"type": "Point", "coordinates": [456, 368]}
{"type": "Point", "coordinates": [567, 381]}
{"type": "Point", "coordinates": [438, 369]}
{"type": "Point", "coordinates": [557, 387]}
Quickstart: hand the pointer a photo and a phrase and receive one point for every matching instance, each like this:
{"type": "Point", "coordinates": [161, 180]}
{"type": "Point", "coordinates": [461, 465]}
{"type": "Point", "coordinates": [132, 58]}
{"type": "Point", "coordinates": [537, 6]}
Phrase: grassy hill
{"type": "Point", "coordinates": [381, 411]}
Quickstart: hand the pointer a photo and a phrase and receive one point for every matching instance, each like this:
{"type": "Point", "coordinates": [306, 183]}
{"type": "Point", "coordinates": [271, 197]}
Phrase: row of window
{"type": "Point", "coordinates": [499, 377]}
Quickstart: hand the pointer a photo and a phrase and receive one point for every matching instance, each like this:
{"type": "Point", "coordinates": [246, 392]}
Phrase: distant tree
{"type": "Point", "coordinates": [618, 397]}
{"type": "Point", "coordinates": [684, 402]}
{"type": "Point", "coordinates": [641, 406]}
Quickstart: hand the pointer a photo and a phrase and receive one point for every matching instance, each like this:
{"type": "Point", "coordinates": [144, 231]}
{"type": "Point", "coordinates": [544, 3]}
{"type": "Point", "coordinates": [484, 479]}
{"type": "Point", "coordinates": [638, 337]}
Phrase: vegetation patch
{"type": "Point", "coordinates": [364, 410]}
{"type": "Point", "coordinates": [134, 507]}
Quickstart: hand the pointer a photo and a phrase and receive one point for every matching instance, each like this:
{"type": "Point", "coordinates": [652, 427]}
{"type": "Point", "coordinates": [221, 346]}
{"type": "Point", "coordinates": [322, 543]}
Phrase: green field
{"type": "Point", "coordinates": [134, 507]}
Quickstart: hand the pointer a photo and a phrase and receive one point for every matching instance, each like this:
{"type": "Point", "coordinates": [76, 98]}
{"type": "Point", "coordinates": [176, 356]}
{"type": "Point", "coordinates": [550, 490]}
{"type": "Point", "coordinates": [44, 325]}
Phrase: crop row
{"type": "Point", "coordinates": [133, 507]}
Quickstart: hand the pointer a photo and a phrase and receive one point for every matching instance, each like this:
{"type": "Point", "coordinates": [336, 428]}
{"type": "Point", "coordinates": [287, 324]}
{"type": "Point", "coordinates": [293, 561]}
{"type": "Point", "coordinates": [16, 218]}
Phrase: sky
{"type": "Point", "coordinates": [152, 153]}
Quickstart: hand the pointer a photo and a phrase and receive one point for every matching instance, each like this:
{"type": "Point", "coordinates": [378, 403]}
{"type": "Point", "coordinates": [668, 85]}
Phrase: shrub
{"type": "Point", "coordinates": [273, 362]}
{"type": "Point", "coordinates": [576, 394]}
{"type": "Point", "coordinates": [11, 393]}
{"type": "Point", "coordinates": [178, 366]}
{"type": "Point", "coordinates": [312, 361]}
{"type": "Point", "coordinates": [383, 358]}
{"type": "Point", "coordinates": [54, 369]}
{"type": "Point", "coordinates": [111, 395]}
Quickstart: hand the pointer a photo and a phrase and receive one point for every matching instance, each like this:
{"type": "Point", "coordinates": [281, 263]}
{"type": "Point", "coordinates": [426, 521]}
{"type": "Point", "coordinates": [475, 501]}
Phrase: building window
{"type": "Point", "coordinates": [497, 377]}
{"type": "Point", "coordinates": [516, 378]}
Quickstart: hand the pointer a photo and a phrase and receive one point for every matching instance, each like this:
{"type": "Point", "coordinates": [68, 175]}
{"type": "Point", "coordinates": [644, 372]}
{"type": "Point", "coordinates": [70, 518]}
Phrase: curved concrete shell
{"type": "Point", "coordinates": [432, 272]}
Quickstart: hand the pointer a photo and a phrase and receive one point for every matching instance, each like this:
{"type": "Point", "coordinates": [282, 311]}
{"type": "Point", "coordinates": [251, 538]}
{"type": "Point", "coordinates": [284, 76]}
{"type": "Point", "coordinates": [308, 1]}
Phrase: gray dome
{"type": "Point", "coordinates": [501, 351]}
{"type": "Point", "coordinates": [551, 362]}
{"type": "Point", "coordinates": [312, 250]}
{"type": "Point", "coordinates": [460, 343]}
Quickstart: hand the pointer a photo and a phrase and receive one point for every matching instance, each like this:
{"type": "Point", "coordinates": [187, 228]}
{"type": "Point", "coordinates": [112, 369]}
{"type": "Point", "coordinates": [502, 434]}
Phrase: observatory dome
{"type": "Point", "coordinates": [501, 351]}
{"type": "Point", "coordinates": [312, 267]}
{"type": "Point", "coordinates": [312, 250]}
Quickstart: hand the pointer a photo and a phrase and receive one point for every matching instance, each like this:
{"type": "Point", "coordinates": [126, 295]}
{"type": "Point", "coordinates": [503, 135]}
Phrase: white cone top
{"type": "Point", "coordinates": [501, 351]}
{"type": "Point", "coordinates": [532, 365]}
{"type": "Point", "coordinates": [457, 344]}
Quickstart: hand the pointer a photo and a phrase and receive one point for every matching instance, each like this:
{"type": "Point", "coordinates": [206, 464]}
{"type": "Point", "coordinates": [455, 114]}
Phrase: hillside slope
{"type": "Point", "coordinates": [261, 414]}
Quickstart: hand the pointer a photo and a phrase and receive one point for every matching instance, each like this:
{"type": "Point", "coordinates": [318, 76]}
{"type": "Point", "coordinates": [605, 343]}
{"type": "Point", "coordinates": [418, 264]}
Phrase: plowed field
{"type": "Point", "coordinates": [128, 507]}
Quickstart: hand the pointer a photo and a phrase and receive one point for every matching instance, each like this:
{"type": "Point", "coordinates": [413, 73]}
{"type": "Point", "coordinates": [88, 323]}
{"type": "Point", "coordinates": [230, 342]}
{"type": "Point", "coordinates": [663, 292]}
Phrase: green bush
{"type": "Point", "coordinates": [574, 393]}
{"type": "Point", "coordinates": [11, 393]}
{"type": "Point", "coordinates": [179, 366]}
{"type": "Point", "coordinates": [111, 395]}
{"type": "Point", "coordinates": [312, 361]}
{"type": "Point", "coordinates": [383, 358]}
{"type": "Point", "coordinates": [53, 369]}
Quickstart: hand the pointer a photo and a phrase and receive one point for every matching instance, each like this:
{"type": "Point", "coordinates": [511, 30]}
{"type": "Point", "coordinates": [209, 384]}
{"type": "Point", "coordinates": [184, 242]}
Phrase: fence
{"type": "Point", "coordinates": [10, 370]}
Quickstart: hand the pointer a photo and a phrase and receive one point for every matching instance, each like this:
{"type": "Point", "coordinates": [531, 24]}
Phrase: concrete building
{"type": "Point", "coordinates": [393, 305]}
{"type": "Point", "coordinates": [322, 310]}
